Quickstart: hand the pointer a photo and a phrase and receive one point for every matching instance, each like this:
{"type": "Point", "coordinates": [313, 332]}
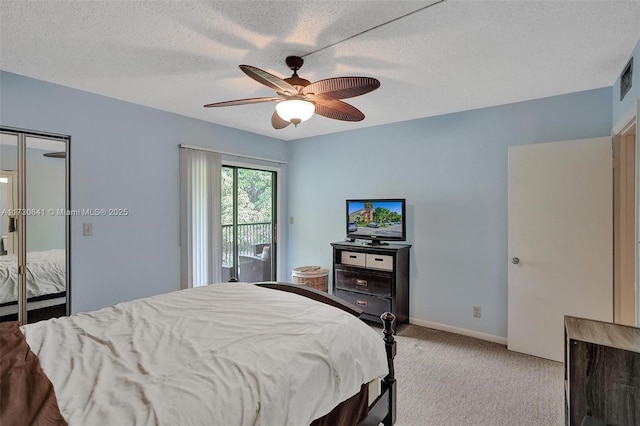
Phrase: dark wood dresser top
{"type": "Point", "coordinates": [603, 333]}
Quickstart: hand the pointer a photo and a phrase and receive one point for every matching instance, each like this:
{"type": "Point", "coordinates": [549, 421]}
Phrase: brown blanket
{"type": "Point", "coordinates": [26, 394]}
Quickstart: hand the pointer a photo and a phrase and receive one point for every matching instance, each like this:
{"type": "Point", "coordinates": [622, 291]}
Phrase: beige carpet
{"type": "Point", "coordinates": [449, 379]}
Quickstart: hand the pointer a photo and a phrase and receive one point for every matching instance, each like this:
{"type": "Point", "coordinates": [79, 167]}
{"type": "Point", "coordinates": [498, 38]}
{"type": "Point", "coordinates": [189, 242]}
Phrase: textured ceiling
{"type": "Point", "coordinates": [454, 56]}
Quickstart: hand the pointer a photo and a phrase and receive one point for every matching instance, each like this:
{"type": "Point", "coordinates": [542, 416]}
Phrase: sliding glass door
{"type": "Point", "coordinates": [248, 213]}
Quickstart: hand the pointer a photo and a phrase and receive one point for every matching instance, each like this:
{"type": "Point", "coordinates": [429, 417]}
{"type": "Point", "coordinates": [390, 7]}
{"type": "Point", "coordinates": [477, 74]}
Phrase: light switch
{"type": "Point", "coordinates": [290, 220]}
{"type": "Point", "coordinates": [87, 229]}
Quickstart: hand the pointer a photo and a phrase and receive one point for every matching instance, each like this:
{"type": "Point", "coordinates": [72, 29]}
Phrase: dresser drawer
{"type": "Point", "coordinates": [371, 282]}
{"type": "Point", "coordinates": [353, 258]}
{"type": "Point", "coordinates": [372, 305]}
{"type": "Point", "coordinates": [379, 261]}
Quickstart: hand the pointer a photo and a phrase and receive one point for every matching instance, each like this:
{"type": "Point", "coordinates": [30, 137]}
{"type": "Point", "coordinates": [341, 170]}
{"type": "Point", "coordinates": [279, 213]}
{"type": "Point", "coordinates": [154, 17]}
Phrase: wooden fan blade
{"type": "Point", "coordinates": [277, 122]}
{"type": "Point", "coordinates": [269, 80]}
{"type": "Point", "coordinates": [341, 87]}
{"type": "Point", "coordinates": [242, 102]}
{"type": "Point", "coordinates": [338, 110]}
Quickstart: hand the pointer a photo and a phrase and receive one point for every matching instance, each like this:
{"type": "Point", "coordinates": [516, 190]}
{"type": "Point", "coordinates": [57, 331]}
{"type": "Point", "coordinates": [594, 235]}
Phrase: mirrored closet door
{"type": "Point", "coordinates": [34, 225]}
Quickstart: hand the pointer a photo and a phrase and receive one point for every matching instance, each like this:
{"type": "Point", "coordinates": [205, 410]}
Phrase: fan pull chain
{"type": "Point", "coordinates": [373, 28]}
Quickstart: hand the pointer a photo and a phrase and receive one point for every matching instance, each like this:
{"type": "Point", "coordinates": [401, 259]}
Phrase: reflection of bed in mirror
{"type": "Point", "coordinates": [46, 282]}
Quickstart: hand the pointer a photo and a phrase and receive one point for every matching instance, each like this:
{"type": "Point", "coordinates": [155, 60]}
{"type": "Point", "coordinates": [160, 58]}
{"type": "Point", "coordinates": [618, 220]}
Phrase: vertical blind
{"type": "Point", "coordinates": [200, 228]}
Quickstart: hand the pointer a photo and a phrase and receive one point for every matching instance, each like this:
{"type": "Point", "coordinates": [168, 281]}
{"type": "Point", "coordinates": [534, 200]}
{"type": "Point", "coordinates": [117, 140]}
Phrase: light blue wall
{"type": "Point", "coordinates": [122, 156]}
{"type": "Point", "coordinates": [622, 109]}
{"type": "Point", "coordinates": [452, 170]}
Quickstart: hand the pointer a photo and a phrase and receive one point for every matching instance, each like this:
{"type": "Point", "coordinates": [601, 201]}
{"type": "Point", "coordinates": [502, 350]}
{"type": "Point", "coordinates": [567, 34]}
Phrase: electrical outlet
{"type": "Point", "coordinates": [87, 229]}
{"type": "Point", "coordinates": [290, 220]}
{"type": "Point", "coordinates": [476, 311]}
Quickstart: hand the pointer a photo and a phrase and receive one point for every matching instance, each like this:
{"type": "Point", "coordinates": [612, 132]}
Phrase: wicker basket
{"type": "Point", "coordinates": [312, 276]}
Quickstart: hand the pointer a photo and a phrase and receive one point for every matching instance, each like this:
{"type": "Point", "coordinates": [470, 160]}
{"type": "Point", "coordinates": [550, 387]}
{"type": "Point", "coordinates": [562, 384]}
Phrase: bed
{"type": "Point", "coordinates": [46, 280]}
{"type": "Point", "coordinates": [223, 354]}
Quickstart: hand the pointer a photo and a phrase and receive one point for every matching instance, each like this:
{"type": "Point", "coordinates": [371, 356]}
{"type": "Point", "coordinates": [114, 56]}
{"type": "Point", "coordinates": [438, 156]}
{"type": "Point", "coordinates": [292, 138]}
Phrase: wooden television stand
{"type": "Point", "coordinates": [373, 277]}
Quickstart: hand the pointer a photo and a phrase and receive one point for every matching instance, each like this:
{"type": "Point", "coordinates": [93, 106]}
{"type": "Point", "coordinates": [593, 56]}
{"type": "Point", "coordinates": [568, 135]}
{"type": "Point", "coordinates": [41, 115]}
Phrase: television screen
{"type": "Point", "coordinates": [376, 219]}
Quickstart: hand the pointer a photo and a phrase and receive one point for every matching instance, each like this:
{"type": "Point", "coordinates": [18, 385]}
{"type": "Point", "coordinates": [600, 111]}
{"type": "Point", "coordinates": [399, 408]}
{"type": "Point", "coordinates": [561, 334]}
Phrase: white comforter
{"type": "Point", "coordinates": [225, 354]}
{"type": "Point", "coordinates": [45, 274]}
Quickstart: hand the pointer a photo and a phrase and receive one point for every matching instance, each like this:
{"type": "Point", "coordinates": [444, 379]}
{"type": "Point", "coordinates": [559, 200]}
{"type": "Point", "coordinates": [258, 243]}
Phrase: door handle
{"type": "Point", "coordinates": [515, 260]}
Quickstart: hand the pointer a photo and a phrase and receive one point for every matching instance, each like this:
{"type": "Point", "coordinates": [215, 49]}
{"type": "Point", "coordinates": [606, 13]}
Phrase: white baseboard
{"type": "Point", "coordinates": [457, 330]}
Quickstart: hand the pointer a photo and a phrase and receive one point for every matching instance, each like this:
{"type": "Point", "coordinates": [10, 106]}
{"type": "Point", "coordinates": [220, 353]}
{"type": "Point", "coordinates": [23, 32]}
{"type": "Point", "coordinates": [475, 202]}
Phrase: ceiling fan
{"type": "Point", "coordinates": [298, 98]}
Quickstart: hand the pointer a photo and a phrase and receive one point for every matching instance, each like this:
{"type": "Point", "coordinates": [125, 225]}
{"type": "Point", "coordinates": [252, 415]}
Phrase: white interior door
{"type": "Point", "coordinates": [561, 233]}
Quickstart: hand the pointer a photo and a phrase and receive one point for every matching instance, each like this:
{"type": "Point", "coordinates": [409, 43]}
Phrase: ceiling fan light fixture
{"type": "Point", "coordinates": [295, 111]}
{"type": "Point", "coordinates": [298, 99]}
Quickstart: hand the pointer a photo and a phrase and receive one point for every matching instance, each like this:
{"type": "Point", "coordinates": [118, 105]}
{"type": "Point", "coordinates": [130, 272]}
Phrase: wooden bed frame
{"type": "Point", "coordinates": [383, 409]}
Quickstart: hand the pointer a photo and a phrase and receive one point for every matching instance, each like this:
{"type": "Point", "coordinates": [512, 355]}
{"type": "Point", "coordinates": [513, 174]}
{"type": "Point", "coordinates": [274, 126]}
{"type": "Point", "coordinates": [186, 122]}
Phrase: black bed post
{"type": "Point", "coordinates": [388, 320]}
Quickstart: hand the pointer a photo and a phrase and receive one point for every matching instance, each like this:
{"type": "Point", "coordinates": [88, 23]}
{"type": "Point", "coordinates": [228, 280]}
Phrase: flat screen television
{"type": "Point", "coordinates": [377, 219]}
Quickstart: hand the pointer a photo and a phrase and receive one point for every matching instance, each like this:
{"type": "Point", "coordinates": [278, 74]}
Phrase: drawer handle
{"type": "Point", "coordinates": [379, 259]}
{"type": "Point", "coordinates": [361, 302]}
{"type": "Point", "coordinates": [361, 282]}
{"type": "Point", "coordinates": [352, 256]}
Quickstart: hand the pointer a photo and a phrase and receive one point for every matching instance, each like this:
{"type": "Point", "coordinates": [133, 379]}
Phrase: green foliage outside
{"type": "Point", "coordinates": [254, 196]}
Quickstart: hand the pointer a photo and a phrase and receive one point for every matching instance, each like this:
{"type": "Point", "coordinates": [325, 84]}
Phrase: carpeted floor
{"type": "Point", "coordinates": [449, 379]}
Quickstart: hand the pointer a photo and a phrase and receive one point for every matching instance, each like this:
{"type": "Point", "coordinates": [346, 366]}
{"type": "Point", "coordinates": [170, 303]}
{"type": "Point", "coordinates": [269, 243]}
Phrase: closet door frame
{"type": "Point", "coordinates": [22, 135]}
